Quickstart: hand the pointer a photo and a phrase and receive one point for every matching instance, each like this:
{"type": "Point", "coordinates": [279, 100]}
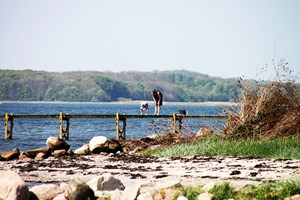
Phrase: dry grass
{"type": "Point", "coordinates": [267, 110]}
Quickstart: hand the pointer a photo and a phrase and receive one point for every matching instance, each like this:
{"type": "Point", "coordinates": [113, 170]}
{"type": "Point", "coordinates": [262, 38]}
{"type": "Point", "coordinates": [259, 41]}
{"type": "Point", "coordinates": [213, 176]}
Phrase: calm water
{"type": "Point", "coordinates": [33, 133]}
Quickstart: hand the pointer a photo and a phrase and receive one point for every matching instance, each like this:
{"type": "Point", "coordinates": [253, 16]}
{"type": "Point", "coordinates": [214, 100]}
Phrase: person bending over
{"type": "Point", "coordinates": [158, 100]}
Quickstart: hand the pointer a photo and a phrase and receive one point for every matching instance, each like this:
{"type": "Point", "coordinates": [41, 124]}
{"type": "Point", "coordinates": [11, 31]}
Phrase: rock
{"type": "Point", "coordinates": [106, 182]}
{"type": "Point", "coordinates": [24, 156]}
{"type": "Point", "coordinates": [12, 186]}
{"type": "Point", "coordinates": [97, 142]}
{"type": "Point", "coordinates": [79, 190]}
{"type": "Point", "coordinates": [205, 196]}
{"type": "Point", "coordinates": [181, 198]}
{"type": "Point", "coordinates": [55, 143]}
{"type": "Point", "coordinates": [46, 191]}
{"type": "Point", "coordinates": [208, 186]}
{"type": "Point", "coordinates": [84, 150]}
{"type": "Point", "coordinates": [10, 155]}
{"type": "Point", "coordinates": [32, 153]}
{"type": "Point", "coordinates": [100, 144]}
{"type": "Point", "coordinates": [41, 156]}
{"type": "Point", "coordinates": [111, 195]}
{"type": "Point", "coordinates": [58, 153]}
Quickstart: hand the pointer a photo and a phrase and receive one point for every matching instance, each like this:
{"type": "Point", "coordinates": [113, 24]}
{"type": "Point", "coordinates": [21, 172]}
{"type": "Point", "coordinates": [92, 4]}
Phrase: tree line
{"type": "Point", "coordinates": [92, 86]}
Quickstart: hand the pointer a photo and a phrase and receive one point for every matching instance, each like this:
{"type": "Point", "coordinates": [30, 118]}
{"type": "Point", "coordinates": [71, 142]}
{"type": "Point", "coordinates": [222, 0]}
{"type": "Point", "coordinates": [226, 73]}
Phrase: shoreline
{"type": "Point", "coordinates": [207, 103]}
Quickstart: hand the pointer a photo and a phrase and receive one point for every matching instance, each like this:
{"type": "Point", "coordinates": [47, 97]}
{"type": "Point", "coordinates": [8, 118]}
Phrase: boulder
{"type": "Point", "coordinates": [84, 150]}
{"type": "Point", "coordinates": [32, 153]}
{"type": "Point", "coordinates": [12, 186]}
{"type": "Point", "coordinates": [100, 144]}
{"type": "Point", "coordinates": [46, 191]}
{"type": "Point", "coordinates": [10, 155]}
{"type": "Point", "coordinates": [106, 182]}
{"type": "Point", "coordinates": [55, 143]}
{"type": "Point", "coordinates": [79, 190]}
{"type": "Point", "coordinates": [97, 143]}
{"type": "Point", "coordinates": [58, 153]}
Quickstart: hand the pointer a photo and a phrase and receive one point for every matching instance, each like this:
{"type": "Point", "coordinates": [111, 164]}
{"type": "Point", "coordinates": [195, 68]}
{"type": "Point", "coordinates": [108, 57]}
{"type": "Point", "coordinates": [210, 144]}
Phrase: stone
{"type": "Point", "coordinates": [12, 186]}
{"type": "Point", "coordinates": [55, 143]}
{"type": "Point", "coordinates": [79, 190]}
{"type": "Point", "coordinates": [41, 156]}
{"type": "Point", "coordinates": [204, 196]}
{"type": "Point", "coordinates": [97, 143]}
{"type": "Point", "coordinates": [208, 186]}
{"type": "Point", "coordinates": [58, 153]}
{"type": "Point", "coordinates": [106, 182]}
{"type": "Point", "coordinates": [32, 153]}
{"type": "Point", "coordinates": [84, 150]}
{"type": "Point", "coordinates": [46, 191]}
{"type": "Point", "coordinates": [24, 156]}
{"type": "Point", "coordinates": [182, 198]}
{"type": "Point", "coordinates": [11, 154]}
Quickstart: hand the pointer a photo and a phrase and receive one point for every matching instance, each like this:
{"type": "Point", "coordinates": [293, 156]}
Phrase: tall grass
{"type": "Point", "coordinates": [287, 148]}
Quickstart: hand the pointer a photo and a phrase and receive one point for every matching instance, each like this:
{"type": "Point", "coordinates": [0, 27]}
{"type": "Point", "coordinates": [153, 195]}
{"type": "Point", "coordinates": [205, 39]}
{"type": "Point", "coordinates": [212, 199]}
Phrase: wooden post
{"type": "Point", "coordinates": [180, 123]}
{"type": "Point", "coordinates": [174, 123]}
{"type": "Point", "coordinates": [120, 134]}
{"type": "Point", "coordinates": [117, 126]}
{"type": "Point", "coordinates": [63, 133]}
{"type": "Point", "coordinates": [8, 123]}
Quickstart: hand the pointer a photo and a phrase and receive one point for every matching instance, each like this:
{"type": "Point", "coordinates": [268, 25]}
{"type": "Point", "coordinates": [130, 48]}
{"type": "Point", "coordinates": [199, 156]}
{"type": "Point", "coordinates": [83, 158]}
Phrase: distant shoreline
{"type": "Point", "coordinates": [207, 103]}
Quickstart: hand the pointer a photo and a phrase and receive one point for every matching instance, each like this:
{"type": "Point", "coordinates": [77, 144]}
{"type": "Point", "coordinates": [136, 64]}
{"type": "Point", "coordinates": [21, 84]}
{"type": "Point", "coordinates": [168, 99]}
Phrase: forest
{"type": "Point", "coordinates": [94, 86]}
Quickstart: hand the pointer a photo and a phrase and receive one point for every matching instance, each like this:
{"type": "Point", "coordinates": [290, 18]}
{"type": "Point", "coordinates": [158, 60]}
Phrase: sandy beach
{"type": "Point", "coordinates": [133, 169]}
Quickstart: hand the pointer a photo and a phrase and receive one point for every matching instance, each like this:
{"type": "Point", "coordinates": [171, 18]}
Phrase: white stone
{"type": "Point", "coordinates": [46, 191]}
{"type": "Point", "coordinates": [97, 142]}
{"type": "Point", "coordinates": [12, 186]}
{"type": "Point", "coordinates": [106, 182]}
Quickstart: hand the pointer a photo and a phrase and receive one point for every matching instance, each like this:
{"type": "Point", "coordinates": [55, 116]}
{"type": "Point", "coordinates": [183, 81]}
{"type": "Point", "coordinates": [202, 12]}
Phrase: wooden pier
{"type": "Point", "coordinates": [64, 121]}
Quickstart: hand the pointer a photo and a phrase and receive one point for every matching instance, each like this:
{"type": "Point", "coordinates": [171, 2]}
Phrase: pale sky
{"type": "Point", "coordinates": [222, 38]}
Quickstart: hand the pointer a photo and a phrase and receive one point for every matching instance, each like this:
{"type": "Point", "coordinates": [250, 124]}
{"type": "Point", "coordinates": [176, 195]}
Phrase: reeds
{"type": "Point", "coordinates": [268, 110]}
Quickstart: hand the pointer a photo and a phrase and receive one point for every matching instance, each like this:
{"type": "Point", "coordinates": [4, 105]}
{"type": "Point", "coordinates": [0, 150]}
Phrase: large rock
{"type": "Point", "coordinates": [106, 182]}
{"type": "Point", "coordinates": [32, 153]}
{"type": "Point", "coordinates": [46, 191]}
{"type": "Point", "coordinates": [12, 186]}
{"type": "Point", "coordinates": [100, 144]}
{"type": "Point", "coordinates": [55, 143]}
{"type": "Point", "coordinates": [97, 143]}
{"type": "Point", "coordinates": [10, 155]}
{"type": "Point", "coordinates": [79, 190]}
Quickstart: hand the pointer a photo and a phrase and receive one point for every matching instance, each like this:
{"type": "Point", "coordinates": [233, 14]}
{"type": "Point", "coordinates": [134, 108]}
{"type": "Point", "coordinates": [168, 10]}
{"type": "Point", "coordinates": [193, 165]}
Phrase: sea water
{"type": "Point", "coordinates": [31, 133]}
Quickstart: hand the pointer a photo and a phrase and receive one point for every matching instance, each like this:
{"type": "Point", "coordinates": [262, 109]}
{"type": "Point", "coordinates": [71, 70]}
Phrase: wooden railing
{"type": "Point", "coordinates": [64, 121]}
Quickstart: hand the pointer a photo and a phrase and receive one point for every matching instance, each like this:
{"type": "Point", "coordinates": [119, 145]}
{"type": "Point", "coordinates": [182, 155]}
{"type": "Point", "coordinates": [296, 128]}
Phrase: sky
{"type": "Point", "coordinates": [220, 38]}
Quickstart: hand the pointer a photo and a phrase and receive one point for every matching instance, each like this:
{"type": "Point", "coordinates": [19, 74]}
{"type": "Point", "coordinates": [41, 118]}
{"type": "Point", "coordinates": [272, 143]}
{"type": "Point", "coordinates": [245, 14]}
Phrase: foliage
{"type": "Point", "coordinates": [222, 191]}
{"type": "Point", "coordinates": [181, 86]}
{"type": "Point", "coordinates": [191, 193]}
{"type": "Point", "coordinates": [267, 110]}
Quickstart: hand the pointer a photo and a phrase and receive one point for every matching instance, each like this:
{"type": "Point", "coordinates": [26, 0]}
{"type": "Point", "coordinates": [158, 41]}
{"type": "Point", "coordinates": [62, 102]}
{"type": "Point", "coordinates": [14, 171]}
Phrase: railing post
{"type": "Point", "coordinates": [174, 123]}
{"type": "Point", "coordinates": [63, 133]}
{"type": "Point", "coordinates": [8, 123]}
{"type": "Point", "coordinates": [117, 126]}
{"type": "Point", "coordinates": [120, 134]}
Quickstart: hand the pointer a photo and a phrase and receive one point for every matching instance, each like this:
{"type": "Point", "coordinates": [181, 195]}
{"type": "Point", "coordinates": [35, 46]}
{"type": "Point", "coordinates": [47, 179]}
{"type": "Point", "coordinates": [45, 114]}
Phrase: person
{"type": "Point", "coordinates": [144, 108]}
{"type": "Point", "coordinates": [158, 100]}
